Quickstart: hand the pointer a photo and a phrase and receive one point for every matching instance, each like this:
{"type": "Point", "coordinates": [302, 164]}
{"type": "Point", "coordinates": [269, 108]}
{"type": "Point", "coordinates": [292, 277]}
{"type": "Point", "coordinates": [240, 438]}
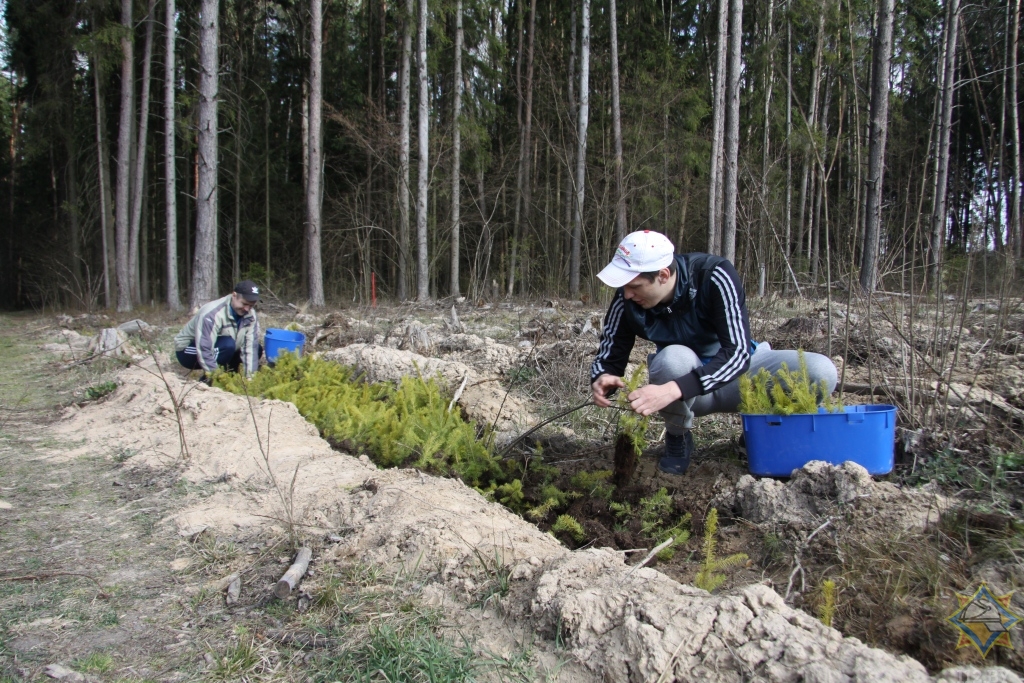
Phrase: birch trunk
{"type": "Point", "coordinates": [732, 129]}
{"type": "Point", "coordinates": [170, 187]}
{"type": "Point", "coordinates": [423, 142]}
{"type": "Point", "coordinates": [620, 197]}
{"type": "Point", "coordinates": [717, 131]}
{"type": "Point", "coordinates": [456, 151]}
{"type": "Point", "coordinates": [940, 209]}
{"type": "Point", "coordinates": [204, 266]}
{"type": "Point", "coordinates": [581, 151]}
{"type": "Point", "coordinates": [876, 143]}
{"type": "Point", "coordinates": [124, 154]}
{"type": "Point", "coordinates": [314, 196]}
{"type": "Point", "coordinates": [403, 154]}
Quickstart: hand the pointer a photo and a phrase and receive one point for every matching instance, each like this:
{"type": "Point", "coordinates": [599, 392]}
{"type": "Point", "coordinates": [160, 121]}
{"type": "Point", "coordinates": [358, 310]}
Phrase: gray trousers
{"type": "Point", "coordinates": [675, 361]}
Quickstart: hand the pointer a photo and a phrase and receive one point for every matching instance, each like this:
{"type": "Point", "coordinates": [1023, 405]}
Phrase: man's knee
{"type": "Point", "coordinates": [225, 350]}
{"type": "Point", "coordinates": [671, 363]}
{"type": "Point", "coordinates": [821, 367]}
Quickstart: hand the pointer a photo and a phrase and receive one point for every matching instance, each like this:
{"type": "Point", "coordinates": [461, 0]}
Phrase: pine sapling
{"type": "Point", "coordinates": [710, 576]}
{"type": "Point", "coordinates": [827, 609]}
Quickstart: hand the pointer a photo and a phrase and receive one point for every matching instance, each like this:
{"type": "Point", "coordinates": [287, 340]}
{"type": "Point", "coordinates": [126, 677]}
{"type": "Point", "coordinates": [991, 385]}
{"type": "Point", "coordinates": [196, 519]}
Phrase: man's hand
{"type": "Point", "coordinates": [653, 397]}
{"type": "Point", "coordinates": [602, 386]}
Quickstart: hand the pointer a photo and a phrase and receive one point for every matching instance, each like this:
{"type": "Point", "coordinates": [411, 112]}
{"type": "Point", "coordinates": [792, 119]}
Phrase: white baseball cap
{"type": "Point", "coordinates": [644, 251]}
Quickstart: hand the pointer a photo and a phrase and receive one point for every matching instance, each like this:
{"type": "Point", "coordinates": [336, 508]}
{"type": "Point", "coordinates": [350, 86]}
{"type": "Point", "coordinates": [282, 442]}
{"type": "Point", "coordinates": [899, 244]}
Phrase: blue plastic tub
{"type": "Point", "coordinates": [278, 341]}
{"type": "Point", "coordinates": [777, 445]}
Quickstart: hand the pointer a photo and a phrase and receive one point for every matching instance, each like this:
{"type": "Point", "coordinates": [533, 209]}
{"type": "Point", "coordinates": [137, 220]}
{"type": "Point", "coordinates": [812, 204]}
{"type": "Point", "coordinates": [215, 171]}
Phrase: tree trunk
{"type": "Point", "coordinates": [403, 154]}
{"type": "Point", "coordinates": [570, 169]}
{"type": "Point", "coordinates": [314, 198]}
{"type": "Point", "coordinates": [124, 155]}
{"type": "Point", "coordinates": [205, 260]}
{"type": "Point", "coordinates": [170, 186]}
{"type": "Point", "coordinates": [523, 192]}
{"type": "Point", "coordinates": [456, 150]}
{"type": "Point", "coordinates": [812, 118]}
{"type": "Point", "coordinates": [103, 172]}
{"type": "Point", "coordinates": [717, 134]}
{"type": "Point", "coordinates": [139, 177]}
{"type": "Point", "coordinates": [787, 241]}
{"type": "Point", "coordinates": [1015, 225]}
{"type": "Point", "coordinates": [876, 143]}
{"type": "Point", "coordinates": [732, 129]}
{"type": "Point", "coordinates": [304, 269]}
{"type": "Point", "coordinates": [581, 152]}
{"type": "Point", "coordinates": [620, 197]}
{"type": "Point", "coordinates": [940, 209]}
{"type": "Point", "coordinates": [423, 142]}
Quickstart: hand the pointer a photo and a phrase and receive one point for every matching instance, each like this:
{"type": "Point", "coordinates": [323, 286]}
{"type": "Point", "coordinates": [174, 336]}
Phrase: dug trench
{"type": "Point", "coordinates": [256, 476]}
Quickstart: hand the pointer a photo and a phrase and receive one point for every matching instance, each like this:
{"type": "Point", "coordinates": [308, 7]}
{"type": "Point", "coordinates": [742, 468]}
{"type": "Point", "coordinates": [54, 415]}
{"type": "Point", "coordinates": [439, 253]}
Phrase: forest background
{"type": "Point", "coordinates": [159, 151]}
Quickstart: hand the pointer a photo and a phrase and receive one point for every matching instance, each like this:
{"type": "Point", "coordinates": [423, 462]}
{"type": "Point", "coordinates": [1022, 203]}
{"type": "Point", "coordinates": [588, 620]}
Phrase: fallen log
{"type": "Point", "coordinates": [294, 574]}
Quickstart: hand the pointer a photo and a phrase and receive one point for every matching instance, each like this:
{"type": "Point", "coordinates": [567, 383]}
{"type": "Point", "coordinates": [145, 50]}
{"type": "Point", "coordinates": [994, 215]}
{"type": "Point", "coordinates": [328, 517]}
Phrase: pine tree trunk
{"type": "Point", "coordinates": [732, 129]}
{"type": "Point", "coordinates": [620, 196]}
{"type": "Point", "coordinates": [876, 143]}
{"type": "Point", "coordinates": [423, 142]}
{"type": "Point", "coordinates": [170, 185]}
{"type": "Point", "coordinates": [403, 153]}
{"type": "Point", "coordinates": [124, 154]}
{"type": "Point", "coordinates": [103, 172]}
{"type": "Point", "coordinates": [139, 177]}
{"type": "Point", "coordinates": [205, 259]}
{"type": "Point", "coordinates": [939, 207]}
{"type": "Point", "coordinates": [456, 151]}
{"type": "Point", "coordinates": [570, 190]}
{"type": "Point", "coordinates": [314, 197]}
{"type": "Point", "coordinates": [812, 118]}
{"type": "Point", "coordinates": [717, 131]}
{"type": "Point", "coordinates": [581, 152]}
{"type": "Point", "coordinates": [523, 189]}
{"type": "Point", "coordinates": [1017, 238]}
{"type": "Point", "coordinates": [787, 241]}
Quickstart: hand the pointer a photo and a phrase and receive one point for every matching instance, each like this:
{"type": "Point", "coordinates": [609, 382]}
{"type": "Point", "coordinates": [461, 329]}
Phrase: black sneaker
{"type": "Point", "coordinates": [678, 449]}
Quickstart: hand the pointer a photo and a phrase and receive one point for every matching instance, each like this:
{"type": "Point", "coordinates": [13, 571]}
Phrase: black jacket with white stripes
{"type": "Point", "coordinates": [708, 314]}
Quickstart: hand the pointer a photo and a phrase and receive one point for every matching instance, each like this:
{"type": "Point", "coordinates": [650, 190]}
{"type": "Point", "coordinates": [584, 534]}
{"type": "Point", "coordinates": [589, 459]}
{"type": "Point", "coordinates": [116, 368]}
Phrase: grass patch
{"type": "Point", "coordinates": [96, 663]}
{"type": "Point", "coordinates": [411, 653]}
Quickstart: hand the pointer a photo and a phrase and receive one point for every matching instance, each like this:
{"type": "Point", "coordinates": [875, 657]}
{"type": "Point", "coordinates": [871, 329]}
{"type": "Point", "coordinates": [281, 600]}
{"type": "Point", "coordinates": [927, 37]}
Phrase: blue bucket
{"type": "Point", "coordinates": [278, 341]}
{"type": "Point", "coordinates": [777, 444]}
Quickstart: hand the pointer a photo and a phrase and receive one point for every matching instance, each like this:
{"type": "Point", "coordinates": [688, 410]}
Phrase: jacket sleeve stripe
{"type": "Point", "coordinates": [614, 319]}
{"type": "Point", "coordinates": [735, 325]}
{"type": "Point", "coordinates": [205, 340]}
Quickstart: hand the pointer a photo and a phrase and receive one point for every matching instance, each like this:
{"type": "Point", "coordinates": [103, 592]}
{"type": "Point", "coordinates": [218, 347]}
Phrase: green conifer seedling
{"type": "Point", "coordinates": [827, 609]}
{"type": "Point", "coordinates": [568, 524]}
{"type": "Point", "coordinates": [710, 576]}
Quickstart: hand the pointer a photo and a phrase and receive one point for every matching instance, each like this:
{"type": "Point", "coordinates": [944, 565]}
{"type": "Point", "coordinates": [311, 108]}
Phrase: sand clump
{"type": "Point", "coordinates": [819, 490]}
{"type": "Point", "coordinates": [623, 625]}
